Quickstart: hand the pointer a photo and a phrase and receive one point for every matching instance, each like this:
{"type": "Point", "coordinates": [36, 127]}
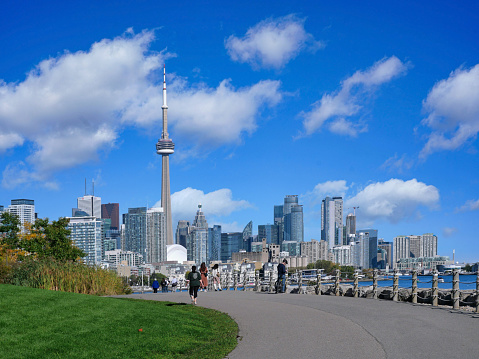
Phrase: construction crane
{"type": "Point", "coordinates": [354, 208]}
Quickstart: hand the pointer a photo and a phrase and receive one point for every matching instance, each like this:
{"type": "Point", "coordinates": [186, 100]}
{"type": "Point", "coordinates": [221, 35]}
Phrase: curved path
{"type": "Point", "coordinates": [309, 326]}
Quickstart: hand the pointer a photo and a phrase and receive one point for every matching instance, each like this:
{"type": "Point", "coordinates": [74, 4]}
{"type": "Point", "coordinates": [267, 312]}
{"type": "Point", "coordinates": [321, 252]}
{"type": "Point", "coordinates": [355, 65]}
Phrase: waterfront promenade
{"type": "Point", "coordinates": [310, 326]}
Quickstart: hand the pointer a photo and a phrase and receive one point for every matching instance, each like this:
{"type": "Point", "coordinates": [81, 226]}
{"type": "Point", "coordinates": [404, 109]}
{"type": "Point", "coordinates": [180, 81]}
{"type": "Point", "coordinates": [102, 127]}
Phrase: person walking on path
{"type": "Point", "coordinates": [174, 283]}
{"type": "Point", "coordinates": [155, 285]}
{"type": "Point", "coordinates": [282, 275]}
{"type": "Point", "coordinates": [215, 274]}
{"type": "Point", "coordinates": [163, 285]}
{"type": "Point", "coordinates": [194, 278]}
{"type": "Point", "coordinates": [204, 276]}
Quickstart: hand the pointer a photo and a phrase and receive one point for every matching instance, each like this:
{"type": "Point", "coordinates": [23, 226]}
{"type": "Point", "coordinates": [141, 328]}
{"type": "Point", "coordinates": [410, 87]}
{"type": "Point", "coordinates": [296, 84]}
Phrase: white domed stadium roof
{"type": "Point", "coordinates": [175, 252]}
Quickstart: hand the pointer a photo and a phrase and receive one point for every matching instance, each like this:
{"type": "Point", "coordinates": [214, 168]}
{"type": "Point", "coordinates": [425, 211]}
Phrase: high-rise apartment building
{"type": "Point", "coordinates": [24, 209]}
{"type": "Point", "coordinates": [350, 228]}
{"type": "Point", "coordinates": [90, 205]}
{"type": "Point", "coordinates": [155, 235]}
{"type": "Point", "coordinates": [368, 241]}
{"type": "Point", "coordinates": [268, 232]}
{"type": "Point", "coordinates": [332, 221]}
{"type": "Point", "coordinates": [87, 234]}
{"type": "Point", "coordinates": [135, 230]}
{"type": "Point", "coordinates": [414, 246]}
{"type": "Point", "coordinates": [279, 221]}
{"type": "Point", "coordinates": [292, 219]}
{"type": "Point", "coordinates": [429, 245]}
{"type": "Point", "coordinates": [111, 211]}
{"type": "Point", "coordinates": [387, 257]}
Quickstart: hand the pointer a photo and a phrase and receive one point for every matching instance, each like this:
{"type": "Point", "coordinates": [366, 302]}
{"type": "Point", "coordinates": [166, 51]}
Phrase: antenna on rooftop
{"type": "Point", "coordinates": [85, 186]}
{"type": "Point", "coordinates": [93, 186]}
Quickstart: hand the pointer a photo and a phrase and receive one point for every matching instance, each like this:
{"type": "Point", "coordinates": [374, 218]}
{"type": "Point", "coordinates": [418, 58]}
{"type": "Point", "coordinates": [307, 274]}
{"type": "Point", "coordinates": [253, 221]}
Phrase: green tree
{"type": "Point", "coordinates": [468, 268]}
{"type": "Point", "coordinates": [9, 227]}
{"type": "Point", "coordinates": [51, 240]}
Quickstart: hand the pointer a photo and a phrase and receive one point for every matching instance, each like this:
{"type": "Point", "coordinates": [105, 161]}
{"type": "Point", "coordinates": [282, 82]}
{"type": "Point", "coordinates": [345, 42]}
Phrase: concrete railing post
{"type": "Point", "coordinates": [336, 282]}
{"type": "Point", "coordinates": [375, 284]}
{"type": "Point", "coordinates": [256, 281]}
{"type": "Point", "coordinates": [300, 282]}
{"type": "Point", "coordinates": [396, 286]}
{"type": "Point", "coordinates": [318, 282]}
{"type": "Point", "coordinates": [477, 291]}
{"type": "Point", "coordinates": [235, 280]}
{"type": "Point", "coordinates": [414, 286]}
{"type": "Point", "coordinates": [244, 281]}
{"type": "Point", "coordinates": [434, 289]}
{"type": "Point", "coordinates": [455, 289]}
{"type": "Point", "coordinates": [356, 285]}
{"type": "Point", "coordinates": [271, 281]}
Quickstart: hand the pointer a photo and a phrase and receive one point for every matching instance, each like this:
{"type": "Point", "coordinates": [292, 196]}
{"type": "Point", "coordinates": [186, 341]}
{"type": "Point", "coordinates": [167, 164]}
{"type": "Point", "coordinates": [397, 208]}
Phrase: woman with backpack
{"type": "Point", "coordinates": [194, 278]}
{"type": "Point", "coordinates": [204, 276]}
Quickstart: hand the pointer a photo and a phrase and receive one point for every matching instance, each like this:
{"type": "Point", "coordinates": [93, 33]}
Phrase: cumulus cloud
{"type": "Point", "coordinates": [394, 200]}
{"type": "Point", "coordinates": [219, 203]}
{"type": "Point", "coordinates": [453, 111]}
{"type": "Point", "coordinates": [71, 107]}
{"type": "Point", "coordinates": [213, 117]}
{"type": "Point", "coordinates": [449, 231]}
{"type": "Point", "coordinates": [328, 188]}
{"type": "Point", "coordinates": [397, 164]}
{"type": "Point", "coordinates": [272, 43]}
{"type": "Point", "coordinates": [335, 108]}
{"type": "Point", "coordinates": [470, 205]}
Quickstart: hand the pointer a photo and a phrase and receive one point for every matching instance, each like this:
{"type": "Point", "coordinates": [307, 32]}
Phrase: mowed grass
{"type": "Point", "coordinates": [37, 323]}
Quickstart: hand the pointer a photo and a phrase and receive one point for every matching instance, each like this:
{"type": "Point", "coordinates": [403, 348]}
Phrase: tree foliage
{"type": "Point", "coordinates": [41, 239]}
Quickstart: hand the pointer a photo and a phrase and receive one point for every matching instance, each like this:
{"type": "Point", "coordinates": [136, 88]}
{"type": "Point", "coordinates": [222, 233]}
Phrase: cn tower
{"type": "Point", "coordinates": [165, 147]}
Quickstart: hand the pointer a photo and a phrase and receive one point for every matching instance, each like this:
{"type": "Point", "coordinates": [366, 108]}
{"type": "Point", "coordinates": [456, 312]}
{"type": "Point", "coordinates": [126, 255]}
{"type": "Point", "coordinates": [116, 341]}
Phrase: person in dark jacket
{"type": "Point", "coordinates": [194, 278]}
{"type": "Point", "coordinates": [282, 274]}
{"type": "Point", "coordinates": [155, 285]}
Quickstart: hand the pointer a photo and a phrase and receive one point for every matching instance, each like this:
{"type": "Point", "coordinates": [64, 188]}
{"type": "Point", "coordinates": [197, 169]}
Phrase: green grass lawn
{"type": "Point", "coordinates": [36, 323]}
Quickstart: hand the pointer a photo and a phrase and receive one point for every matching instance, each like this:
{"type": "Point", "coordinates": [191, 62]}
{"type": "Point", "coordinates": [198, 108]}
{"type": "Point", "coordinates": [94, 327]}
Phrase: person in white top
{"type": "Point", "coordinates": [215, 273]}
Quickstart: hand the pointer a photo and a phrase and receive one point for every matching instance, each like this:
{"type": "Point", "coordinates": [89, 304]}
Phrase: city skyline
{"type": "Point", "coordinates": [376, 103]}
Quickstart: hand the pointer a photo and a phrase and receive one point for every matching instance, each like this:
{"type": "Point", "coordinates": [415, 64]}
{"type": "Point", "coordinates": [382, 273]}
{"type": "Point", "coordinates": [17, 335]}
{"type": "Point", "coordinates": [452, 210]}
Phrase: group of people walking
{"type": "Point", "coordinates": [199, 280]}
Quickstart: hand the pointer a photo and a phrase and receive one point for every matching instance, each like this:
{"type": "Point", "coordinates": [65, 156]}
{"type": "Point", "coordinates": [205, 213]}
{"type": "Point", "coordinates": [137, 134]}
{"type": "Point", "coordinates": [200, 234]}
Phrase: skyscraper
{"type": "Point", "coordinates": [90, 205]}
{"type": "Point", "coordinates": [135, 230]}
{"type": "Point", "coordinates": [24, 209]}
{"type": "Point", "coordinates": [86, 234]}
{"type": "Point", "coordinates": [111, 211]}
{"type": "Point", "coordinates": [155, 235]}
{"type": "Point", "coordinates": [332, 221]}
{"type": "Point", "coordinates": [165, 147]}
{"type": "Point", "coordinates": [293, 219]}
{"type": "Point", "coordinates": [350, 228]}
{"type": "Point", "coordinates": [198, 238]}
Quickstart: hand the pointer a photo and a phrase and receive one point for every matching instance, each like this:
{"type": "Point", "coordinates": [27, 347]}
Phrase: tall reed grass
{"type": "Point", "coordinates": [68, 276]}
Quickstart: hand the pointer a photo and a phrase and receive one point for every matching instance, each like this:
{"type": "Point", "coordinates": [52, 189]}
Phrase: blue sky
{"type": "Point", "coordinates": [378, 103]}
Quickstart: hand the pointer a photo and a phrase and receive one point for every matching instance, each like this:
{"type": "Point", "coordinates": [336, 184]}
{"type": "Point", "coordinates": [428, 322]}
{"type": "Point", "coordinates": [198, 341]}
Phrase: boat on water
{"type": "Point", "coordinates": [440, 280]}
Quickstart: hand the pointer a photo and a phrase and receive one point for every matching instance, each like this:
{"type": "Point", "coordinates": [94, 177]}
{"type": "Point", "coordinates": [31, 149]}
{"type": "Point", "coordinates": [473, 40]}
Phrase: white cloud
{"type": "Point", "coordinates": [219, 203]}
{"type": "Point", "coordinates": [10, 140]}
{"type": "Point", "coordinates": [328, 188]}
{"type": "Point", "coordinates": [449, 231]}
{"type": "Point", "coordinates": [272, 43]}
{"type": "Point", "coordinates": [394, 200]}
{"type": "Point", "coordinates": [347, 101]}
{"type": "Point", "coordinates": [453, 108]}
{"type": "Point", "coordinates": [75, 105]}
{"type": "Point", "coordinates": [398, 164]}
{"type": "Point", "coordinates": [213, 117]}
{"type": "Point", "coordinates": [470, 205]}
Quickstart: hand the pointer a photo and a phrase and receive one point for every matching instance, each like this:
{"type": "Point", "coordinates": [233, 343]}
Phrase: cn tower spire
{"type": "Point", "coordinates": [165, 147]}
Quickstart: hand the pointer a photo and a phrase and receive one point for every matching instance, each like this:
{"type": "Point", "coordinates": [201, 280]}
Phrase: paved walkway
{"type": "Point", "coordinates": [309, 326]}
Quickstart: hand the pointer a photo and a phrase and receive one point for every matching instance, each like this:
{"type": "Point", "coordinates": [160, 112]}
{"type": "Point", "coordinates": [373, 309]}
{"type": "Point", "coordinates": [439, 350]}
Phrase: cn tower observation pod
{"type": "Point", "coordinates": [165, 146]}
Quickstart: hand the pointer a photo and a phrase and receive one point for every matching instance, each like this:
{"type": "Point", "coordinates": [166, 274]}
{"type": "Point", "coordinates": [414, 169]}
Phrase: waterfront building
{"type": "Point", "coordinates": [24, 209]}
{"type": "Point", "coordinates": [292, 247]}
{"type": "Point", "coordinates": [293, 229]}
{"type": "Point", "coordinates": [429, 245]}
{"type": "Point", "coordinates": [342, 255]}
{"type": "Point", "coordinates": [368, 241]}
{"type": "Point", "coordinates": [314, 250]}
{"type": "Point", "coordinates": [350, 231]}
{"type": "Point", "coordinates": [401, 248]}
{"type": "Point", "coordinates": [214, 244]}
{"type": "Point", "coordinates": [387, 255]}
{"type": "Point", "coordinates": [87, 234]}
{"type": "Point", "coordinates": [111, 211]}
{"type": "Point", "coordinates": [422, 263]}
{"type": "Point", "coordinates": [165, 147]}
{"type": "Point", "coordinates": [117, 256]}
{"type": "Point", "coordinates": [91, 205]}
{"type": "Point", "coordinates": [415, 246]}
{"type": "Point", "coordinates": [135, 230]}
{"type": "Point", "coordinates": [155, 235]}
{"type": "Point", "coordinates": [332, 221]}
